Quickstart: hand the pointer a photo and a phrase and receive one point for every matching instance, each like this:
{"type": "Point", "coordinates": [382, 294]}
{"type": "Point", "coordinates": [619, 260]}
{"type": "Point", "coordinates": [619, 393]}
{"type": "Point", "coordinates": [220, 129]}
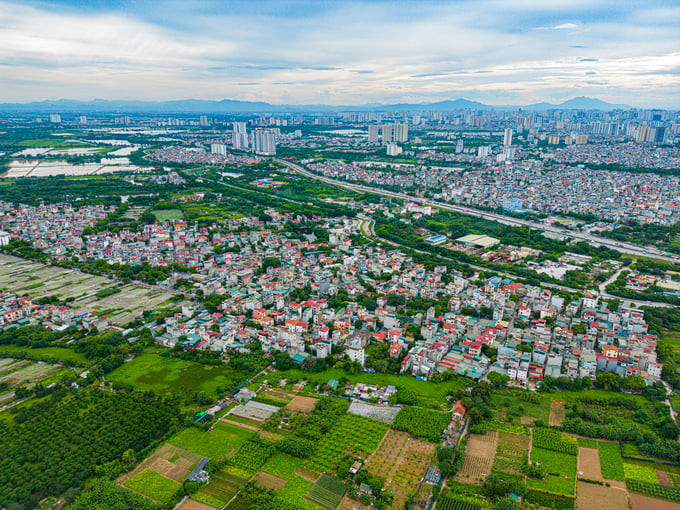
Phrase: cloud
{"type": "Point", "coordinates": [343, 52]}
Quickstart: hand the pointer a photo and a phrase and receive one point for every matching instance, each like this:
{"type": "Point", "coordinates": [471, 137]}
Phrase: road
{"type": "Point", "coordinates": [367, 227]}
{"type": "Point", "coordinates": [628, 248]}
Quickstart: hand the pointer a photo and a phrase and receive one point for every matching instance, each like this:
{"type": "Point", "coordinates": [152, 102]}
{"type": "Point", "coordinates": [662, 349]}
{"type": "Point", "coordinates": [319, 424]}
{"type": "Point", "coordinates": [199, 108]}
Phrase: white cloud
{"type": "Point", "coordinates": [490, 50]}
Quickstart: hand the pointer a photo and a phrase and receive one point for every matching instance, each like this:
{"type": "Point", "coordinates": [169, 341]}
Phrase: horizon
{"type": "Point", "coordinates": [297, 52]}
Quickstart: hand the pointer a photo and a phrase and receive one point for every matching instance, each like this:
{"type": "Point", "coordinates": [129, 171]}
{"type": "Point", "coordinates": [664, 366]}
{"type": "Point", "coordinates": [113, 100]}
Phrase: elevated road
{"type": "Point", "coordinates": [593, 240]}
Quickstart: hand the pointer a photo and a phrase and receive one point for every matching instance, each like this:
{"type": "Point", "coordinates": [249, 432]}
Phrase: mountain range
{"type": "Point", "coordinates": [233, 106]}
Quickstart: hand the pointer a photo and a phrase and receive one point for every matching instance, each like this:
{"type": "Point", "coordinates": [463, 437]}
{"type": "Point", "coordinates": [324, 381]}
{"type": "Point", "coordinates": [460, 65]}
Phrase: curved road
{"type": "Point", "coordinates": [507, 220]}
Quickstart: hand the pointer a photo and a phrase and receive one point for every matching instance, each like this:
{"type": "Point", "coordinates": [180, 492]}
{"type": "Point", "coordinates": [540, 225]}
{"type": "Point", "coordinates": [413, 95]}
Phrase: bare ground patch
{"type": "Point", "coordinates": [590, 495]}
{"type": "Point", "coordinates": [308, 474]}
{"type": "Point", "coordinates": [302, 404]}
{"type": "Point", "coordinates": [640, 502]}
{"type": "Point", "coordinates": [268, 481]}
{"type": "Point", "coordinates": [556, 413]}
{"type": "Point", "coordinates": [589, 463]}
{"type": "Point", "coordinates": [663, 478]}
{"type": "Point", "coordinates": [192, 504]}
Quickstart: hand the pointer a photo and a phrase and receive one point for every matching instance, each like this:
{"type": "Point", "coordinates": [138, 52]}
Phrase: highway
{"type": "Point", "coordinates": [628, 248]}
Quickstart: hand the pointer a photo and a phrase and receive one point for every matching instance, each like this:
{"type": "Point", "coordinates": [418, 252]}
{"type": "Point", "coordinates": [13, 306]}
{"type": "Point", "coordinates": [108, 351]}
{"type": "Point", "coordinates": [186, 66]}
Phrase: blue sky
{"type": "Point", "coordinates": [342, 52]}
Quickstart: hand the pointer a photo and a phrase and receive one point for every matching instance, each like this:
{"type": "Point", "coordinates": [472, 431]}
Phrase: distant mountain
{"type": "Point", "coordinates": [579, 103]}
{"type": "Point", "coordinates": [232, 106]}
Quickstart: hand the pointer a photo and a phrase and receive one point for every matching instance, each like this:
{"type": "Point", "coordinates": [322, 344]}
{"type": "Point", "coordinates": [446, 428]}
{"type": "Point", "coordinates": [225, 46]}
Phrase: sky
{"type": "Point", "coordinates": [502, 52]}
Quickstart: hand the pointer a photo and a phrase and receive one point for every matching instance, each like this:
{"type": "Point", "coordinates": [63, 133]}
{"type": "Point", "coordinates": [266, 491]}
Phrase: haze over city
{"type": "Point", "coordinates": [342, 53]}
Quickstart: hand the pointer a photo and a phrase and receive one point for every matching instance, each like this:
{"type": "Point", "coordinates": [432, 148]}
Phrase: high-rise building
{"type": "Point", "coordinates": [507, 137]}
{"type": "Point", "coordinates": [203, 121]}
{"type": "Point", "coordinates": [264, 142]}
{"type": "Point", "coordinates": [83, 119]}
{"type": "Point", "coordinates": [643, 133]}
{"type": "Point", "coordinates": [581, 139]}
{"type": "Point", "coordinates": [400, 132]}
{"type": "Point", "coordinates": [553, 140]}
{"type": "Point", "coordinates": [55, 118]}
{"type": "Point", "coordinates": [387, 133]}
{"type": "Point", "coordinates": [459, 146]}
{"type": "Point", "coordinates": [483, 151]}
{"type": "Point", "coordinates": [239, 136]}
{"type": "Point", "coordinates": [373, 133]}
{"type": "Point", "coordinates": [218, 148]}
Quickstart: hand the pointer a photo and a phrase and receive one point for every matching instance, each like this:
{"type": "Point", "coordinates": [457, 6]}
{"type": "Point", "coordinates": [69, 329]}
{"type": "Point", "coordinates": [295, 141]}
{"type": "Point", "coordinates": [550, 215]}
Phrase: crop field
{"type": "Point", "coordinates": [450, 503]}
{"type": "Point", "coordinates": [61, 354]}
{"type": "Point", "coordinates": [351, 435]}
{"type": "Point", "coordinates": [161, 374]}
{"type": "Point", "coordinates": [654, 489]}
{"type": "Point", "coordinates": [220, 489]}
{"type": "Point", "coordinates": [554, 440]}
{"type": "Point", "coordinates": [561, 468]}
{"type": "Point", "coordinates": [252, 454]}
{"type": "Point", "coordinates": [216, 443]}
{"type": "Point", "coordinates": [278, 395]}
{"type": "Point", "coordinates": [611, 463]}
{"type": "Point", "coordinates": [479, 457]}
{"type": "Point", "coordinates": [402, 461]}
{"type": "Point", "coordinates": [512, 452]}
{"type": "Point", "coordinates": [23, 371]}
{"type": "Point", "coordinates": [153, 485]}
{"type": "Point", "coordinates": [640, 473]}
{"type": "Point", "coordinates": [422, 423]}
{"type": "Point", "coordinates": [327, 492]}
{"type": "Point", "coordinates": [170, 461]}
{"type": "Point", "coordinates": [40, 280]}
{"type": "Point", "coordinates": [192, 504]}
{"type": "Point", "coordinates": [296, 487]}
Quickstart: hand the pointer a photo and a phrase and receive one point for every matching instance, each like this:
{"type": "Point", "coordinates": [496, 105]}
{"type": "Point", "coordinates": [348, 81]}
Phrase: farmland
{"type": "Point", "coordinates": [479, 457]}
{"type": "Point", "coordinates": [561, 468]}
{"type": "Point", "coordinates": [422, 423]}
{"type": "Point", "coordinates": [327, 492]}
{"type": "Point", "coordinates": [154, 485]}
{"type": "Point", "coordinates": [352, 436]}
{"type": "Point", "coordinates": [611, 463]}
{"type": "Point", "coordinates": [220, 489]}
{"type": "Point", "coordinates": [216, 443]}
{"type": "Point", "coordinates": [512, 453]}
{"type": "Point", "coordinates": [39, 280]}
{"type": "Point", "coordinates": [165, 374]}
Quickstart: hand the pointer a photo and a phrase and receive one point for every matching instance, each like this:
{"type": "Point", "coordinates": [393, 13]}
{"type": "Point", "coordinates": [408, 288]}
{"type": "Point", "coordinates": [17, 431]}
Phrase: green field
{"type": "Point", "coordinates": [168, 214]}
{"type": "Point", "coordinates": [154, 485]}
{"type": "Point", "coordinates": [56, 353]}
{"type": "Point", "coordinates": [431, 394]}
{"type": "Point", "coordinates": [220, 489]}
{"type": "Point", "coordinates": [352, 435]}
{"type": "Point", "coordinates": [327, 492]}
{"type": "Point", "coordinates": [296, 488]}
{"type": "Point", "coordinates": [562, 469]}
{"type": "Point", "coordinates": [611, 463]}
{"type": "Point", "coordinates": [641, 473]}
{"type": "Point", "coordinates": [161, 374]}
{"type": "Point", "coordinates": [216, 444]}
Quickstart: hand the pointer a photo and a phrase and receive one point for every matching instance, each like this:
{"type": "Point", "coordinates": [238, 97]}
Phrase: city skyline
{"type": "Point", "coordinates": [342, 53]}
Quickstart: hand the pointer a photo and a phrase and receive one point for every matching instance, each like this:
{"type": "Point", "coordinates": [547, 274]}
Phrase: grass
{"type": "Point", "coordinates": [58, 353]}
{"type": "Point", "coordinates": [154, 485]}
{"type": "Point", "coordinates": [168, 214]}
{"type": "Point", "coordinates": [505, 402]}
{"type": "Point", "coordinates": [561, 468]}
{"type": "Point", "coordinates": [161, 374]}
{"type": "Point", "coordinates": [431, 394]}
{"type": "Point", "coordinates": [611, 463]}
{"type": "Point", "coordinates": [216, 444]}
{"type": "Point", "coordinates": [586, 443]}
{"type": "Point", "coordinates": [641, 473]}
